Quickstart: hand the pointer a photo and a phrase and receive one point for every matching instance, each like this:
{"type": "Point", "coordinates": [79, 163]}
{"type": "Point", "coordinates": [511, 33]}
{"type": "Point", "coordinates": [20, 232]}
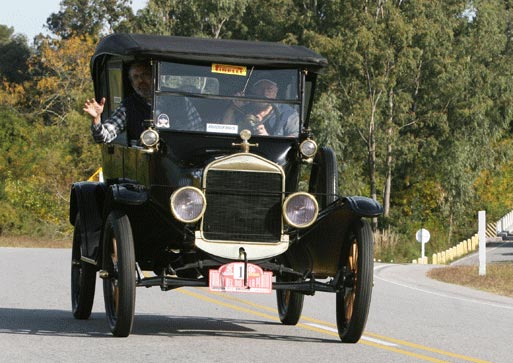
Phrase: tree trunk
{"type": "Point", "coordinates": [371, 147]}
{"type": "Point", "coordinates": [389, 158]}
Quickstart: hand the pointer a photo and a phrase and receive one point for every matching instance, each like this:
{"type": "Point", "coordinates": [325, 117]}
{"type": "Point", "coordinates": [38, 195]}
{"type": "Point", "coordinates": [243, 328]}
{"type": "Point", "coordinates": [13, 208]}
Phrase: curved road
{"type": "Point", "coordinates": [412, 319]}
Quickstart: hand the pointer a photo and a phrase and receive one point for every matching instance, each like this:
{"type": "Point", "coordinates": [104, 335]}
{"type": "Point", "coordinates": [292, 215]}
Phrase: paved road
{"type": "Point", "coordinates": [496, 252]}
{"type": "Point", "coordinates": [412, 319]}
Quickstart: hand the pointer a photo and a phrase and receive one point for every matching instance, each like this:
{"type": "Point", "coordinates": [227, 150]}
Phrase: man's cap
{"type": "Point", "coordinates": [265, 77]}
{"type": "Point", "coordinates": [265, 80]}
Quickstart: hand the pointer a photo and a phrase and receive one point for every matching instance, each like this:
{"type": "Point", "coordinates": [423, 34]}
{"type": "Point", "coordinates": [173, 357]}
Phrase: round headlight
{"type": "Point", "coordinates": [308, 148]}
{"type": "Point", "coordinates": [149, 138]}
{"type": "Point", "coordinates": [188, 204]}
{"type": "Point", "coordinates": [300, 210]}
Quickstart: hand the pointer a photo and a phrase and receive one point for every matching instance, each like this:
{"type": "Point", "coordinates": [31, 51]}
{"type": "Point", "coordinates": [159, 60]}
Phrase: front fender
{"type": "Point", "coordinates": [129, 194]}
{"type": "Point", "coordinates": [363, 206]}
{"type": "Point", "coordinates": [318, 248]}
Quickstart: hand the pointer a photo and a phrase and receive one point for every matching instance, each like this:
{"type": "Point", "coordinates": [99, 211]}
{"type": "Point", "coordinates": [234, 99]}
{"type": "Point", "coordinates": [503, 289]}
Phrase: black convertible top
{"type": "Point", "coordinates": [208, 50]}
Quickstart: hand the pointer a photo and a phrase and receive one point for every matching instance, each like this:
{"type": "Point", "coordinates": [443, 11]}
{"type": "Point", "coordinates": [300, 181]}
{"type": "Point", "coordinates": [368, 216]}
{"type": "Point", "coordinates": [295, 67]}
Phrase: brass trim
{"type": "Point", "coordinates": [230, 249]}
{"type": "Point", "coordinates": [308, 157]}
{"type": "Point", "coordinates": [243, 162]}
{"type": "Point", "coordinates": [173, 196]}
{"type": "Point", "coordinates": [88, 260]}
{"type": "Point", "coordinates": [245, 135]}
{"type": "Point", "coordinates": [150, 146]}
{"type": "Point", "coordinates": [284, 208]}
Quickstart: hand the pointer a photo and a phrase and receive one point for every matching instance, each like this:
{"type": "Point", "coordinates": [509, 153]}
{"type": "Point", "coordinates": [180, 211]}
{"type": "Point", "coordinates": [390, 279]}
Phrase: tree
{"type": "Point", "coordinates": [88, 17]}
{"type": "Point", "coordinates": [60, 77]}
{"type": "Point", "coordinates": [14, 53]}
{"type": "Point", "coordinates": [49, 147]}
{"type": "Point", "coordinates": [199, 18]}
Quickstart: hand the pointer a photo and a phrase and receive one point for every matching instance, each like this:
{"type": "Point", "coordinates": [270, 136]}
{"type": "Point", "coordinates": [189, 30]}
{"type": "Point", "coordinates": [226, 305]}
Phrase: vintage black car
{"type": "Point", "coordinates": [216, 203]}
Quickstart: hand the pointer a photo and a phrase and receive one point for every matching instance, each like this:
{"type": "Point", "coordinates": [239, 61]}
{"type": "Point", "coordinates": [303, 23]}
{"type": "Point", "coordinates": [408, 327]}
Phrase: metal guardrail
{"type": "Point", "coordinates": [505, 224]}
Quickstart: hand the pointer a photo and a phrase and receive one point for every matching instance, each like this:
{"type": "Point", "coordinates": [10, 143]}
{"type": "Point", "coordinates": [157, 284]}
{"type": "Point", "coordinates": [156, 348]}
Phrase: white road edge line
{"type": "Point", "coordinates": [444, 295]}
{"type": "Point", "coordinates": [378, 341]}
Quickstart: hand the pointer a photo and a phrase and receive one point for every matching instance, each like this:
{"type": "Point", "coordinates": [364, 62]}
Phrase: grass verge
{"type": "Point", "coordinates": [28, 242]}
{"type": "Point", "coordinates": [498, 279]}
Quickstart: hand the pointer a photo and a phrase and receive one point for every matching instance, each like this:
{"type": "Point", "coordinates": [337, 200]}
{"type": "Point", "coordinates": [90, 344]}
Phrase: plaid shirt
{"type": "Point", "coordinates": [109, 129]}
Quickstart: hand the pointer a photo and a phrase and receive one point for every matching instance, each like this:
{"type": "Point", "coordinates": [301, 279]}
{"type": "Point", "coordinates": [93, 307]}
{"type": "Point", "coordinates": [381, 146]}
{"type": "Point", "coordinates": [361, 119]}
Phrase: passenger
{"type": "Point", "coordinates": [133, 110]}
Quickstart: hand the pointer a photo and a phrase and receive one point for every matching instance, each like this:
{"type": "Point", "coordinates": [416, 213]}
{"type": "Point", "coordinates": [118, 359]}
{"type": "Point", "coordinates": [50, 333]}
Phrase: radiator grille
{"type": "Point", "coordinates": [243, 206]}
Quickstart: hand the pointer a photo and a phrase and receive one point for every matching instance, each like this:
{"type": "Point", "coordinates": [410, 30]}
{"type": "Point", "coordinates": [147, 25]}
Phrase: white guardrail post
{"type": "Point", "coordinates": [505, 224]}
{"type": "Point", "coordinates": [482, 242]}
{"type": "Point", "coordinates": [478, 241]}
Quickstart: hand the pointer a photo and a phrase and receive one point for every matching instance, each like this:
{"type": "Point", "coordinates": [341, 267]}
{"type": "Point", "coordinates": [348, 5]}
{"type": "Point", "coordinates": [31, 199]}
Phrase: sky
{"type": "Point", "coordinates": [29, 16]}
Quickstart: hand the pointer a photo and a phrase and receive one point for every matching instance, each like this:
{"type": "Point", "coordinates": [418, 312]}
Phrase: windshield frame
{"type": "Point", "coordinates": [291, 97]}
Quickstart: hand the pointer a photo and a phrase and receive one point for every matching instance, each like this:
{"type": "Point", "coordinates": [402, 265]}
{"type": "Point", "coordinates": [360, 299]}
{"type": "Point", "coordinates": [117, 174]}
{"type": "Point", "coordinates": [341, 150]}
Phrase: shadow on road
{"type": "Point", "coordinates": [61, 323]}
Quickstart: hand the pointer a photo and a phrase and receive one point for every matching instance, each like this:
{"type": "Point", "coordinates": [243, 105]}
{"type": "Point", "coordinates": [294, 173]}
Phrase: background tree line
{"type": "Point", "coordinates": [416, 102]}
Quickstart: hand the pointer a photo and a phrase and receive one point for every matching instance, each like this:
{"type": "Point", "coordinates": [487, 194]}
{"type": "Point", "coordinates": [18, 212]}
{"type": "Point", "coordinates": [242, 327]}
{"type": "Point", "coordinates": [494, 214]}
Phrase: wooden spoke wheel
{"type": "Point", "coordinates": [353, 299]}
{"type": "Point", "coordinates": [120, 283]}
{"type": "Point", "coordinates": [290, 305]}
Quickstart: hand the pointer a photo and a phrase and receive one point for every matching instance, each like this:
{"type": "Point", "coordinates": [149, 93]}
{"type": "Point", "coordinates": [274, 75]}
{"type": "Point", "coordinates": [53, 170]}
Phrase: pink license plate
{"type": "Point", "coordinates": [230, 277]}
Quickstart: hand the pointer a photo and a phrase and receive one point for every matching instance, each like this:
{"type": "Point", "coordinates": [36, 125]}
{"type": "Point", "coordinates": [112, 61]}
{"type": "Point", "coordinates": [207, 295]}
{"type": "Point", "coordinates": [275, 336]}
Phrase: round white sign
{"type": "Point", "coordinates": [422, 235]}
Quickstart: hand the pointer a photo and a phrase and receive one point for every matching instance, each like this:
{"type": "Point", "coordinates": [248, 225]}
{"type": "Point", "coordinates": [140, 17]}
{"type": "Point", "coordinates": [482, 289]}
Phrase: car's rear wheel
{"type": "Point", "coordinates": [83, 278]}
{"type": "Point", "coordinates": [290, 304]}
{"type": "Point", "coordinates": [353, 299]}
{"type": "Point", "coordinates": [324, 177]}
{"type": "Point", "coordinates": [119, 264]}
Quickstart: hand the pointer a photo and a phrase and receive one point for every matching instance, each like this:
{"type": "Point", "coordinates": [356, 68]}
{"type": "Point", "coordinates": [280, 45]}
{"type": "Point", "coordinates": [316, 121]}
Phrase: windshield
{"type": "Point", "coordinates": [221, 98]}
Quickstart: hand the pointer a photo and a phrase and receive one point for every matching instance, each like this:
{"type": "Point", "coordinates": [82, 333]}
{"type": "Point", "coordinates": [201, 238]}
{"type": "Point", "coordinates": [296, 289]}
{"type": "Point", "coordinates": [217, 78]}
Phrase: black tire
{"type": "Point", "coordinates": [353, 300]}
{"type": "Point", "coordinates": [324, 177]}
{"type": "Point", "coordinates": [290, 305]}
{"type": "Point", "coordinates": [83, 278]}
{"type": "Point", "coordinates": [119, 262]}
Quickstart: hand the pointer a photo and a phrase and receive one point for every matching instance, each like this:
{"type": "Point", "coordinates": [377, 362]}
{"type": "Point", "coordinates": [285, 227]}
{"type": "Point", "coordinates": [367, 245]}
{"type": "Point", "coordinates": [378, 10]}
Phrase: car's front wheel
{"type": "Point", "coordinates": [290, 304]}
{"type": "Point", "coordinates": [119, 264]}
{"type": "Point", "coordinates": [353, 298]}
{"type": "Point", "coordinates": [83, 278]}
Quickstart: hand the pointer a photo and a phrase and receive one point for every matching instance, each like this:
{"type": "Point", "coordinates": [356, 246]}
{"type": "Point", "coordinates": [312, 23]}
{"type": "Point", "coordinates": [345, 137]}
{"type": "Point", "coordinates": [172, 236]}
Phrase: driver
{"type": "Point", "coordinates": [133, 110]}
{"type": "Point", "coordinates": [269, 118]}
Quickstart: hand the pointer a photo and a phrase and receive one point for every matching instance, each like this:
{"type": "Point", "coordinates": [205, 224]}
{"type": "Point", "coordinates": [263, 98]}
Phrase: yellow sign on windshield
{"type": "Point", "coordinates": [229, 69]}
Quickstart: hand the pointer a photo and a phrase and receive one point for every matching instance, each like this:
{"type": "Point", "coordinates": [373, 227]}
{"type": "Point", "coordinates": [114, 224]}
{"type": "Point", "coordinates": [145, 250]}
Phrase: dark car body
{"type": "Point", "coordinates": [265, 204]}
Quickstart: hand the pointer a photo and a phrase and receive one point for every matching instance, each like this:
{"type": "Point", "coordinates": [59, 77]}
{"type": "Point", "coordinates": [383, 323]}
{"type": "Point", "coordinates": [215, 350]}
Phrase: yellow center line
{"type": "Point", "coordinates": [422, 347]}
{"type": "Point", "coordinates": [393, 340]}
{"type": "Point", "coordinates": [324, 331]}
